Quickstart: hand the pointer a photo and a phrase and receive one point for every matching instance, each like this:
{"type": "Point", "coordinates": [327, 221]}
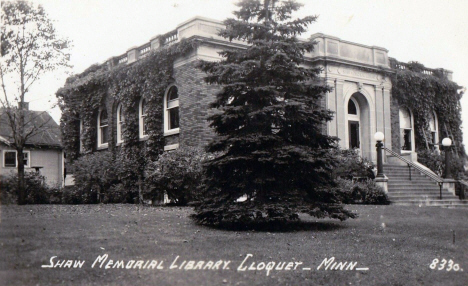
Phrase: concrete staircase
{"type": "Point", "coordinates": [420, 190]}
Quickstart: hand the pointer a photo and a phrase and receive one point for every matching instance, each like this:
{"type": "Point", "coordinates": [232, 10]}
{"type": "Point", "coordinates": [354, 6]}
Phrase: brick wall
{"type": "Point", "coordinates": [194, 98]}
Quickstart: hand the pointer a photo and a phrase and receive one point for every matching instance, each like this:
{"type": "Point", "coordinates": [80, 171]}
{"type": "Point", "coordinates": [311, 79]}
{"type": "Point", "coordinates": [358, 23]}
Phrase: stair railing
{"type": "Point", "coordinates": [410, 164]}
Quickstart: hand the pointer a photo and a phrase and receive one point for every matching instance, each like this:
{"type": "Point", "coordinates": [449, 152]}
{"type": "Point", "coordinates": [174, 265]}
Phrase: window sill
{"type": "Point", "coordinates": [143, 138]}
{"type": "Point", "coordinates": [119, 143]}
{"type": "Point", "coordinates": [171, 147]}
{"type": "Point", "coordinates": [171, 132]}
{"type": "Point", "coordinates": [103, 146]}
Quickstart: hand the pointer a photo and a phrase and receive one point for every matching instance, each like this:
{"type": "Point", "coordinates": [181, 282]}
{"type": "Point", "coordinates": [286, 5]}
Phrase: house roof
{"type": "Point", "coordinates": [49, 134]}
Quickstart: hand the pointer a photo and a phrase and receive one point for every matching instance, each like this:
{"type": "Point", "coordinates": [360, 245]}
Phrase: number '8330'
{"type": "Point", "coordinates": [448, 265]}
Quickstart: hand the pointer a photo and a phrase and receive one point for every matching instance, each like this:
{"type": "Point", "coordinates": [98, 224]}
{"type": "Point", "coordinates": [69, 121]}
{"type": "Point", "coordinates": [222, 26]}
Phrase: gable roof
{"type": "Point", "coordinates": [48, 136]}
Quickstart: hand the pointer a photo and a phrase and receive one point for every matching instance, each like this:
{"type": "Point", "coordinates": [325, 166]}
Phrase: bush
{"type": "Point", "coordinates": [351, 165]}
{"type": "Point", "coordinates": [436, 162]}
{"type": "Point", "coordinates": [94, 174]}
{"type": "Point", "coordinates": [366, 192]}
{"type": "Point", "coordinates": [178, 173]}
{"type": "Point", "coordinates": [37, 191]}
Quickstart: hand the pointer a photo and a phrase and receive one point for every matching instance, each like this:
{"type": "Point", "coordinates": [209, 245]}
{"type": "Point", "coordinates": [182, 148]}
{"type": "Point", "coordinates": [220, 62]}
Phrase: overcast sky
{"type": "Point", "coordinates": [432, 32]}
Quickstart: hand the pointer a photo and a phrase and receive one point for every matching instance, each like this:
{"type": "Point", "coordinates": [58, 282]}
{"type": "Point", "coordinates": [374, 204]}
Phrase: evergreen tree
{"type": "Point", "coordinates": [270, 125]}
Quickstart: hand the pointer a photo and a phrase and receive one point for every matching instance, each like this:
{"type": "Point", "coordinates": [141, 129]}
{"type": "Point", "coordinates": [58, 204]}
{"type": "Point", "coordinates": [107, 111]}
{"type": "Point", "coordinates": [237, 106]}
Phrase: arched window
{"type": "Point", "coordinates": [171, 114]}
{"type": "Point", "coordinates": [120, 120]}
{"type": "Point", "coordinates": [103, 130]}
{"type": "Point", "coordinates": [406, 130]}
{"type": "Point", "coordinates": [142, 114]}
{"type": "Point", "coordinates": [433, 128]}
{"type": "Point", "coordinates": [352, 109]}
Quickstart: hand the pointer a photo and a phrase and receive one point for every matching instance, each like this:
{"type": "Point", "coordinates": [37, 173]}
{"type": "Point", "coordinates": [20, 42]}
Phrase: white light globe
{"type": "Point", "coordinates": [447, 142]}
{"type": "Point", "coordinates": [379, 136]}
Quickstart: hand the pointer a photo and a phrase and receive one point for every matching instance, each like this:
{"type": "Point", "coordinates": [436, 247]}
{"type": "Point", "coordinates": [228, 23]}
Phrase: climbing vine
{"type": "Point", "coordinates": [101, 86]}
{"type": "Point", "coordinates": [424, 94]}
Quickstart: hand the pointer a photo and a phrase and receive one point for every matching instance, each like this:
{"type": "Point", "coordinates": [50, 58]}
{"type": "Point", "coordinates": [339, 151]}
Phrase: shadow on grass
{"type": "Point", "coordinates": [291, 226]}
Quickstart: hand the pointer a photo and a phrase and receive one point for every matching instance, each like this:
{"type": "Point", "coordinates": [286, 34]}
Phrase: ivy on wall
{"type": "Point", "coordinates": [424, 94]}
{"type": "Point", "coordinates": [102, 87]}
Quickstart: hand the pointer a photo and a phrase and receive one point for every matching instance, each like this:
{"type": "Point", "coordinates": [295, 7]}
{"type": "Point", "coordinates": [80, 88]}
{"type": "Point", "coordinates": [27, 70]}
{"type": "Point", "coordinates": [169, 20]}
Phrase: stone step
{"type": "Point", "coordinates": [420, 193]}
{"type": "Point", "coordinates": [405, 174]}
{"type": "Point", "coordinates": [442, 202]}
{"type": "Point", "coordinates": [422, 198]}
{"type": "Point", "coordinates": [409, 190]}
{"type": "Point", "coordinates": [406, 179]}
{"type": "Point", "coordinates": [409, 184]}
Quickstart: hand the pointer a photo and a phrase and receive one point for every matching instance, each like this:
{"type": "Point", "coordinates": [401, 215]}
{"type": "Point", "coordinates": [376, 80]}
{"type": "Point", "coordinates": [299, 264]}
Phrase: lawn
{"type": "Point", "coordinates": [397, 244]}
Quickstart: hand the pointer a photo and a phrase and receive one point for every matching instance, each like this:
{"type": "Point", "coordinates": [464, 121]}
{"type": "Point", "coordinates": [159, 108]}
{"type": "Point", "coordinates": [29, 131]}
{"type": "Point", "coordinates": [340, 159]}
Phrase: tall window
{"type": "Point", "coordinates": [81, 134]}
{"type": "Point", "coordinates": [142, 114]}
{"type": "Point", "coordinates": [354, 138]}
{"type": "Point", "coordinates": [120, 120]}
{"type": "Point", "coordinates": [171, 115]}
{"type": "Point", "coordinates": [103, 133]}
{"type": "Point", "coordinates": [406, 130]}
{"type": "Point", "coordinates": [9, 158]}
{"type": "Point", "coordinates": [433, 129]}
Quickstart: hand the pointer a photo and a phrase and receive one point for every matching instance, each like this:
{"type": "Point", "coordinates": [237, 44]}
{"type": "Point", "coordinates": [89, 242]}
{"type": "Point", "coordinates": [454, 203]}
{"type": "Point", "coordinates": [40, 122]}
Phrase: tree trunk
{"type": "Point", "coordinates": [21, 183]}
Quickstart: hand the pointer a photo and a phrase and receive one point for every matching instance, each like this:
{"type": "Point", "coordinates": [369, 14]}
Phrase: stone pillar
{"type": "Point", "coordinates": [132, 55]}
{"type": "Point", "coordinates": [155, 42]}
{"type": "Point", "coordinates": [449, 185]}
{"type": "Point", "coordinates": [340, 112]}
{"type": "Point", "coordinates": [379, 111]}
{"type": "Point", "coordinates": [331, 105]}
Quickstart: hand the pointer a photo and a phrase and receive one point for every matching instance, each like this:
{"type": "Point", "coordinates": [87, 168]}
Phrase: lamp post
{"type": "Point", "coordinates": [379, 137]}
{"type": "Point", "coordinates": [447, 142]}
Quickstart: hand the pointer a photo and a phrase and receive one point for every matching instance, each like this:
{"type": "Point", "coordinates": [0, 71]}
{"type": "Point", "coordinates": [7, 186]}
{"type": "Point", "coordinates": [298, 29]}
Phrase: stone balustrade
{"type": "Point", "coordinates": [327, 48]}
{"type": "Point", "coordinates": [417, 67]}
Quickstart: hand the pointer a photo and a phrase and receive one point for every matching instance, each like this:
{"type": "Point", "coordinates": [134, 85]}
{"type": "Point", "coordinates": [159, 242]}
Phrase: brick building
{"type": "Point", "coordinates": [361, 96]}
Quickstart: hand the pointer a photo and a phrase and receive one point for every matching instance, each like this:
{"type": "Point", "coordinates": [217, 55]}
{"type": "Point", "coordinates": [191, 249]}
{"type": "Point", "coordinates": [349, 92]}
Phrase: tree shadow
{"type": "Point", "coordinates": [287, 226]}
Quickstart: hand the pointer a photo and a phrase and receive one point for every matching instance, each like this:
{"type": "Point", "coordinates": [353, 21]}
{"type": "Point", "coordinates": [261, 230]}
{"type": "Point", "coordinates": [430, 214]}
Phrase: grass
{"type": "Point", "coordinates": [396, 243]}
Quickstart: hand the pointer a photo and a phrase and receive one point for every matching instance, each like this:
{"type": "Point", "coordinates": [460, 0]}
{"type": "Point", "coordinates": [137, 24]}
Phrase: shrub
{"type": "Point", "coordinates": [94, 174]}
{"type": "Point", "coordinates": [178, 173]}
{"type": "Point", "coordinates": [351, 164]}
{"type": "Point", "coordinates": [37, 191]}
{"type": "Point", "coordinates": [436, 162]}
{"type": "Point", "coordinates": [366, 192]}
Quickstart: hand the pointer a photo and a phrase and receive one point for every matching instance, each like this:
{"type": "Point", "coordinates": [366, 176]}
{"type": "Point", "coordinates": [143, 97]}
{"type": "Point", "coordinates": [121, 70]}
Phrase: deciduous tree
{"type": "Point", "coordinates": [30, 48]}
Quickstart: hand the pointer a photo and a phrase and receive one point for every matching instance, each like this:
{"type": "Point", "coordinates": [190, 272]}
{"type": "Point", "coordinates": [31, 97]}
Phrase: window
{"type": "Point", "coordinates": [103, 133]}
{"type": "Point", "coordinates": [171, 114]}
{"type": "Point", "coordinates": [354, 138]}
{"type": "Point", "coordinates": [406, 130]}
{"type": "Point", "coordinates": [81, 134]}
{"type": "Point", "coordinates": [142, 114]}
{"type": "Point", "coordinates": [433, 129]}
{"type": "Point", "coordinates": [9, 158]}
{"type": "Point", "coordinates": [352, 107]}
{"type": "Point", "coordinates": [120, 121]}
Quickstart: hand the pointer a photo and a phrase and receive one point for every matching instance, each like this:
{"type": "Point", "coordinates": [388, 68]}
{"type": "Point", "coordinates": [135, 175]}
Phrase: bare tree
{"type": "Point", "coordinates": [29, 49]}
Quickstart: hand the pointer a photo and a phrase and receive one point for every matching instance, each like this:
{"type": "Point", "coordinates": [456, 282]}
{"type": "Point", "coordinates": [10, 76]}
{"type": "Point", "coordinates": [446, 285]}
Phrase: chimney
{"type": "Point", "coordinates": [24, 106]}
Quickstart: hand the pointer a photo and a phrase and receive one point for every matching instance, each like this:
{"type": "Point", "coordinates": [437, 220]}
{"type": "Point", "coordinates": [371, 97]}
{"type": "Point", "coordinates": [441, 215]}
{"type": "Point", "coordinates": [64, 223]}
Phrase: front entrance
{"type": "Point", "coordinates": [354, 140]}
{"type": "Point", "coordinates": [354, 118]}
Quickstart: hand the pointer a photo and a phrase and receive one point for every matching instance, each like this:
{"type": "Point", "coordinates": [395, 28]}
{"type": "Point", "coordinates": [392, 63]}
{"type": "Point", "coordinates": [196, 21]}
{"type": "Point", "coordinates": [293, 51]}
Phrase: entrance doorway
{"type": "Point", "coordinates": [354, 140]}
{"type": "Point", "coordinates": [354, 132]}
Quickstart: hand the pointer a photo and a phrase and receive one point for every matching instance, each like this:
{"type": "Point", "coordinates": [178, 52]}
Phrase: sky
{"type": "Point", "coordinates": [432, 32]}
